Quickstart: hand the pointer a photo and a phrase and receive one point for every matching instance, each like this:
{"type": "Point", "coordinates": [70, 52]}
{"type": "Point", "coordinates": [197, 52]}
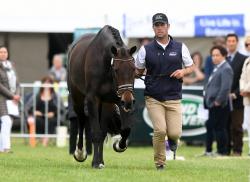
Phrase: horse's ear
{"type": "Point", "coordinates": [114, 50]}
{"type": "Point", "coordinates": [132, 50]}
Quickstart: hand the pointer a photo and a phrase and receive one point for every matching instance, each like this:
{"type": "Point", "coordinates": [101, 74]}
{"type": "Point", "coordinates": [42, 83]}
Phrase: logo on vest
{"type": "Point", "coordinates": [172, 53]}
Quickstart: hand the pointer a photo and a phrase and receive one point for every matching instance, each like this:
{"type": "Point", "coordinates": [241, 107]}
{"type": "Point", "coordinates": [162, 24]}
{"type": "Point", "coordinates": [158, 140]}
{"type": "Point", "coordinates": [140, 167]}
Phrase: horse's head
{"type": "Point", "coordinates": [124, 75]}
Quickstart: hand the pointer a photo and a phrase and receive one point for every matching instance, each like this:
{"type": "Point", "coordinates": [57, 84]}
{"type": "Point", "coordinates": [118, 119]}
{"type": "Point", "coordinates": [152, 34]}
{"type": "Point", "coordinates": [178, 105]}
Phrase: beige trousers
{"type": "Point", "coordinates": [166, 118]}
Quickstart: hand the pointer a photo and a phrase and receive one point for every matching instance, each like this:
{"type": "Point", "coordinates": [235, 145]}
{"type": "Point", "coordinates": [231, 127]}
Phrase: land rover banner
{"type": "Point", "coordinates": [194, 117]}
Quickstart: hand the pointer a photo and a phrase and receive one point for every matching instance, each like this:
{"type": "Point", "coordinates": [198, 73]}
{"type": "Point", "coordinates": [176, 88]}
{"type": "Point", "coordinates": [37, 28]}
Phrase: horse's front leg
{"type": "Point", "coordinates": [121, 145]}
{"type": "Point", "coordinates": [125, 119]}
{"type": "Point", "coordinates": [94, 109]}
{"type": "Point", "coordinates": [98, 162]}
{"type": "Point", "coordinates": [80, 154]}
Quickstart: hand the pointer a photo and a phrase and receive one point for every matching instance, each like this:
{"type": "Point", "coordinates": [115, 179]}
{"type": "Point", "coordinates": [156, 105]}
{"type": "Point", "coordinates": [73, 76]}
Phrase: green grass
{"type": "Point", "coordinates": [47, 164]}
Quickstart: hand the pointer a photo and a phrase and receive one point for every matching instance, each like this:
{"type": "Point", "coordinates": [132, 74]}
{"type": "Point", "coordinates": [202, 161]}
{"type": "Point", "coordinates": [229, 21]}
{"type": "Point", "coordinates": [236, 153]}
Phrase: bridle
{"type": "Point", "coordinates": [125, 60]}
{"type": "Point", "coordinates": [125, 87]}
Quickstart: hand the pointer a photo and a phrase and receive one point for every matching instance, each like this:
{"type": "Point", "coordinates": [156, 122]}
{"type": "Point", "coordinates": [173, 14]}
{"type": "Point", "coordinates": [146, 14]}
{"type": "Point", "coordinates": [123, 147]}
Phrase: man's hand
{"type": "Point", "coordinates": [233, 96]}
{"type": "Point", "coordinates": [139, 73]}
{"type": "Point", "coordinates": [178, 73]}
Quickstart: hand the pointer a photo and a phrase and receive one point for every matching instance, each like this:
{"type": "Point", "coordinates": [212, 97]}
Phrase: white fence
{"type": "Point", "coordinates": [32, 89]}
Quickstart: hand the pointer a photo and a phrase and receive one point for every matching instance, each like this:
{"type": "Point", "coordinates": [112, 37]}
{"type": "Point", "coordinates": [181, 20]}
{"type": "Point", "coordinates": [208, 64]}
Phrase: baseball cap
{"type": "Point", "coordinates": [160, 17]}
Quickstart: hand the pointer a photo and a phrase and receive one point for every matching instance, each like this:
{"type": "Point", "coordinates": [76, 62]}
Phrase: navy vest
{"type": "Point", "coordinates": [160, 64]}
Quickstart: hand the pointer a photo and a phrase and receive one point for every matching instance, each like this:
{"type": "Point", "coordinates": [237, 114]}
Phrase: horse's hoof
{"type": "Point", "coordinates": [80, 156]}
{"type": "Point", "coordinates": [117, 148]}
{"type": "Point", "coordinates": [98, 166]}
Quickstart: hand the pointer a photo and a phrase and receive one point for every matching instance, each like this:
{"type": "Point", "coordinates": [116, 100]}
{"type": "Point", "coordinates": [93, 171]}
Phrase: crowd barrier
{"type": "Point", "coordinates": [28, 90]}
{"type": "Point", "coordinates": [193, 122]}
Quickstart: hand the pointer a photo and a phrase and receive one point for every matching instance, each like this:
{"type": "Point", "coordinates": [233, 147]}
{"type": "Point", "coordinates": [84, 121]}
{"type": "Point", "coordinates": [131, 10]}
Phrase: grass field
{"type": "Point", "coordinates": [134, 165]}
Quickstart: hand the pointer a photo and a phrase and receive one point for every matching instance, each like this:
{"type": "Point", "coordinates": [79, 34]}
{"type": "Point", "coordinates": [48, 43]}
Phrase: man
{"type": "Point", "coordinates": [236, 60]}
{"type": "Point", "coordinates": [216, 97]}
{"type": "Point", "coordinates": [163, 59]}
{"type": "Point", "coordinates": [208, 68]}
{"type": "Point", "coordinates": [58, 72]}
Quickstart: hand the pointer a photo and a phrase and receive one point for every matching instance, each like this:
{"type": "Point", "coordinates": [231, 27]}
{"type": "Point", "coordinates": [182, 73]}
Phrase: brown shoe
{"type": "Point", "coordinates": [160, 167]}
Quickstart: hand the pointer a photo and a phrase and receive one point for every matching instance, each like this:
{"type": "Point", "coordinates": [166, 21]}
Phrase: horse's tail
{"type": "Point", "coordinates": [68, 66]}
{"type": "Point", "coordinates": [70, 49]}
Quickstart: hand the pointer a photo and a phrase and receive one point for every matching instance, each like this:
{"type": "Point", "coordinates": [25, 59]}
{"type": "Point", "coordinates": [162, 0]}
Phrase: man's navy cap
{"type": "Point", "coordinates": [160, 18]}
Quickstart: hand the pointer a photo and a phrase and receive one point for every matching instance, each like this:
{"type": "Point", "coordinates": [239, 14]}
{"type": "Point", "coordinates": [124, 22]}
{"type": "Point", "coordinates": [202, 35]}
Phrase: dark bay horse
{"type": "Point", "coordinates": [101, 75]}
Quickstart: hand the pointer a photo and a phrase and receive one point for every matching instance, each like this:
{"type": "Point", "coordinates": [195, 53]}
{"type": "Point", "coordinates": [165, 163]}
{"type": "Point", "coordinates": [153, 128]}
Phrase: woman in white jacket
{"type": "Point", "coordinates": [245, 92]}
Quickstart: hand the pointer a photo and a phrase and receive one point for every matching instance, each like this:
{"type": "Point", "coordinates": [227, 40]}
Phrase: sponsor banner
{"type": "Point", "coordinates": [193, 123]}
{"type": "Point", "coordinates": [140, 25]}
{"type": "Point", "coordinates": [219, 25]}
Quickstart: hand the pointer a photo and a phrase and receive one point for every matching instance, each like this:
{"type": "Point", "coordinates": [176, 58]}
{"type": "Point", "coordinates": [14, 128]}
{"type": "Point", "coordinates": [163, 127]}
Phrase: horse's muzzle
{"type": "Point", "coordinates": [128, 106]}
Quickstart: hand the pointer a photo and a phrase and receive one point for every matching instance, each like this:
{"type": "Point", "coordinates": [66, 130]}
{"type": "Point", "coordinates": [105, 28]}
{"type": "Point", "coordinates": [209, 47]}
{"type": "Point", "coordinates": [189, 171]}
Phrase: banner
{"type": "Point", "coordinates": [219, 25]}
{"type": "Point", "coordinates": [193, 120]}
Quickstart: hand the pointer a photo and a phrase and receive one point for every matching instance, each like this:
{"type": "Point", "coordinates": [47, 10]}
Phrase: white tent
{"type": "Point", "coordinates": [131, 16]}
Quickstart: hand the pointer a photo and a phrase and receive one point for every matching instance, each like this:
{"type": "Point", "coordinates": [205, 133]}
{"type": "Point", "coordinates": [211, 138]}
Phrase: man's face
{"type": "Point", "coordinates": [161, 29]}
{"type": "Point", "coordinates": [3, 54]}
{"type": "Point", "coordinates": [231, 44]}
{"type": "Point", "coordinates": [217, 56]}
{"type": "Point", "coordinates": [57, 62]}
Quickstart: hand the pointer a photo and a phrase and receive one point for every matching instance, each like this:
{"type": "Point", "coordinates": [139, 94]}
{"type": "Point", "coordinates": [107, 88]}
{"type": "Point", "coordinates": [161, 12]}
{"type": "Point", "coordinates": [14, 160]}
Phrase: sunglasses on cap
{"type": "Point", "coordinates": [247, 44]}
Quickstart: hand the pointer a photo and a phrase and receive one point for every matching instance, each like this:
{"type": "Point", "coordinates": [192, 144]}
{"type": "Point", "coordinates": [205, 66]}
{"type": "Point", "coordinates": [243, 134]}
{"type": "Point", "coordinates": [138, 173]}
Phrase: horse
{"type": "Point", "coordinates": [101, 75]}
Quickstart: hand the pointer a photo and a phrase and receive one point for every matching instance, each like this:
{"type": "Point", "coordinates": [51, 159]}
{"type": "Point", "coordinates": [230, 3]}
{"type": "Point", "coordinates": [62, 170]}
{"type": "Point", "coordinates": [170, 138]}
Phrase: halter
{"type": "Point", "coordinates": [117, 59]}
{"type": "Point", "coordinates": [121, 88]}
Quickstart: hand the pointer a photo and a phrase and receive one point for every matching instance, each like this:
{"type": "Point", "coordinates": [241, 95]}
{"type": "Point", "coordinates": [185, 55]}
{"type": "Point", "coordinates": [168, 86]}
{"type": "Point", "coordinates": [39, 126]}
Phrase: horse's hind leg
{"type": "Point", "coordinates": [88, 138]}
{"type": "Point", "coordinates": [80, 154]}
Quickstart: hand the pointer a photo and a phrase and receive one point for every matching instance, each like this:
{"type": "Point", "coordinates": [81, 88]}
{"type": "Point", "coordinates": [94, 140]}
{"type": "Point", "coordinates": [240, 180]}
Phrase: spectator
{"type": "Point", "coordinates": [9, 90]}
{"type": "Point", "coordinates": [245, 92]}
{"type": "Point", "coordinates": [247, 46]}
{"type": "Point", "coordinates": [197, 77]}
{"type": "Point", "coordinates": [46, 108]}
{"type": "Point", "coordinates": [58, 72]}
{"type": "Point", "coordinates": [208, 68]}
{"type": "Point", "coordinates": [216, 97]}
{"type": "Point", "coordinates": [145, 41]}
{"type": "Point", "coordinates": [236, 60]}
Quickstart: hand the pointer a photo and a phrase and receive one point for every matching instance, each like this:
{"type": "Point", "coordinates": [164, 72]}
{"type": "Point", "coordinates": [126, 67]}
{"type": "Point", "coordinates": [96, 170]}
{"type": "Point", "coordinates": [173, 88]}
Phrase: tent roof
{"type": "Point", "coordinates": [66, 15]}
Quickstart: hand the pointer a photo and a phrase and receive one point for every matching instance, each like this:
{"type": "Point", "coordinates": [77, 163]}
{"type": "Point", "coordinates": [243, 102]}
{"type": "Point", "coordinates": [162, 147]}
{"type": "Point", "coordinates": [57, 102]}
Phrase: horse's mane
{"type": "Point", "coordinates": [107, 29]}
{"type": "Point", "coordinates": [116, 35]}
